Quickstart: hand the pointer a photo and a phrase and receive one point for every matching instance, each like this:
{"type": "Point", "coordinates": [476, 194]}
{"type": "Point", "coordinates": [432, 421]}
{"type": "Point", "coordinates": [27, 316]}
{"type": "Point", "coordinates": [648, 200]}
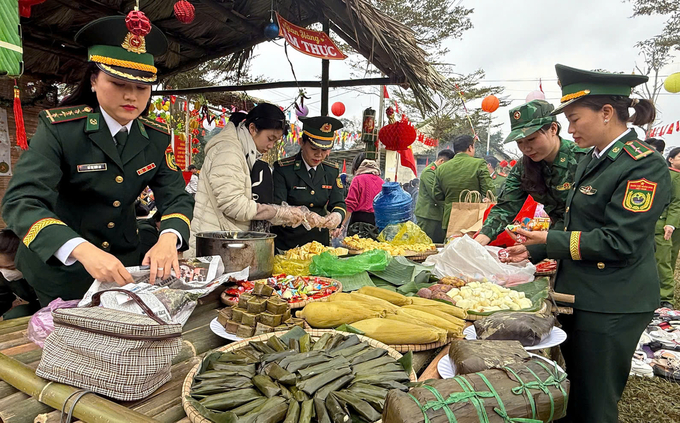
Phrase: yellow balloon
{"type": "Point", "coordinates": [672, 83]}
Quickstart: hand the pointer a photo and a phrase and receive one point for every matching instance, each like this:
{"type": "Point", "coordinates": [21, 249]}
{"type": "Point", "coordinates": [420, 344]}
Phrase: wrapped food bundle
{"type": "Point", "coordinates": [533, 390]}
{"type": "Point", "coordinates": [294, 378]}
{"type": "Point", "coordinates": [528, 329]}
{"type": "Point", "coordinates": [259, 312]}
{"type": "Point", "coordinates": [470, 356]}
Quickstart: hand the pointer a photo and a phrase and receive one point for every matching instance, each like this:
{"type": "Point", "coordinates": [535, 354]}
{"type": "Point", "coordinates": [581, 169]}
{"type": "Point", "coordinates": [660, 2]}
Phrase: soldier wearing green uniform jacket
{"type": "Point", "coordinates": [665, 234]}
{"type": "Point", "coordinates": [463, 172]}
{"type": "Point", "coordinates": [428, 211]}
{"type": "Point", "coordinates": [606, 248]}
{"type": "Point", "coordinates": [546, 171]}
{"type": "Point", "coordinates": [308, 180]}
{"type": "Point", "coordinates": [71, 199]}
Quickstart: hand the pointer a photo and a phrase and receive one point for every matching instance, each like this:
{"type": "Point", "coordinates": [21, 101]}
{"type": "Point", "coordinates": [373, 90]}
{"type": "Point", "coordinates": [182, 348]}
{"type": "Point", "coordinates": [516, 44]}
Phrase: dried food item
{"type": "Point", "coordinates": [244, 331]}
{"type": "Point", "coordinates": [333, 314]}
{"type": "Point", "coordinates": [470, 356]}
{"type": "Point", "coordinates": [528, 329]}
{"type": "Point", "coordinates": [256, 305]}
{"type": "Point", "coordinates": [224, 316]}
{"type": "Point", "coordinates": [385, 331]}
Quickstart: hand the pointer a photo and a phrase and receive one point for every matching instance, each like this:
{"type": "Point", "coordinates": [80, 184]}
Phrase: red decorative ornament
{"type": "Point", "coordinates": [397, 136]}
{"type": "Point", "coordinates": [184, 11]}
{"type": "Point", "coordinates": [137, 23]}
{"type": "Point", "coordinates": [195, 141]}
{"type": "Point", "coordinates": [389, 112]}
{"type": "Point", "coordinates": [25, 7]}
{"type": "Point", "coordinates": [203, 133]}
{"type": "Point", "coordinates": [224, 110]}
{"type": "Point", "coordinates": [161, 120]}
{"type": "Point", "coordinates": [338, 109]}
{"type": "Point", "coordinates": [513, 163]}
{"type": "Point", "coordinates": [504, 163]}
{"type": "Point", "coordinates": [173, 98]}
{"type": "Point", "coordinates": [490, 103]}
{"type": "Point", "coordinates": [421, 137]}
{"type": "Point", "coordinates": [194, 150]}
{"type": "Point", "coordinates": [194, 131]}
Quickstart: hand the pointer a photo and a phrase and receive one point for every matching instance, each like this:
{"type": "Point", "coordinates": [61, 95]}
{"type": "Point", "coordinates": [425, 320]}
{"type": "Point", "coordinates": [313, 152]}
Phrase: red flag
{"type": "Point", "coordinates": [540, 85]}
{"type": "Point", "coordinates": [408, 160]}
{"type": "Point", "coordinates": [344, 166]}
{"type": "Point", "coordinates": [427, 162]}
{"type": "Point", "coordinates": [396, 106]}
{"type": "Point", "coordinates": [386, 95]}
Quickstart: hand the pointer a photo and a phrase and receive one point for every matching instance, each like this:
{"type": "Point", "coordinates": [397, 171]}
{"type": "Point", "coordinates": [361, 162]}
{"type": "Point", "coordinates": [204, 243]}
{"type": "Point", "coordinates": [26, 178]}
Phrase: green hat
{"type": "Point", "coordinates": [577, 83]}
{"type": "Point", "coordinates": [321, 130]}
{"type": "Point", "coordinates": [529, 118]}
{"type": "Point", "coordinates": [120, 53]}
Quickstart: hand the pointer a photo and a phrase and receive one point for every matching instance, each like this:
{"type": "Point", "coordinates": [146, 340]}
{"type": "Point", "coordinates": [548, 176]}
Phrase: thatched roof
{"type": "Point", "coordinates": [223, 28]}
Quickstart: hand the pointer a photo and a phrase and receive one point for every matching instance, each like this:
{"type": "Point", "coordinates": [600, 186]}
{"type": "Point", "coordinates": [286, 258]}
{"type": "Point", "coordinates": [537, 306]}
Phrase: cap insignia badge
{"type": "Point", "coordinates": [517, 115]}
{"type": "Point", "coordinates": [327, 127]}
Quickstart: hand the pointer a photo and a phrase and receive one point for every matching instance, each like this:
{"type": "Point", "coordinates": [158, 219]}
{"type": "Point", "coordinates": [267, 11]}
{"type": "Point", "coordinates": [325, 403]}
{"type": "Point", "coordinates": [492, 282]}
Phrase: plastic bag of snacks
{"type": "Point", "coordinates": [407, 233]}
{"type": "Point", "coordinates": [295, 267]}
{"type": "Point", "coordinates": [41, 324]}
{"type": "Point", "coordinates": [329, 265]}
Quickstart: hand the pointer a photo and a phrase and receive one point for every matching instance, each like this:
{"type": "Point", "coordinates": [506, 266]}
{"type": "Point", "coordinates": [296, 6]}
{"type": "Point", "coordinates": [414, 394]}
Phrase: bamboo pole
{"type": "Point", "coordinates": [91, 408]}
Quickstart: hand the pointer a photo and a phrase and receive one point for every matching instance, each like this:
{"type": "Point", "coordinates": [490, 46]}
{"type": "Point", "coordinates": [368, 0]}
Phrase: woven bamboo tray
{"type": "Point", "coordinates": [543, 310]}
{"type": "Point", "coordinates": [195, 416]}
{"type": "Point", "coordinates": [296, 305]}
{"type": "Point", "coordinates": [404, 348]}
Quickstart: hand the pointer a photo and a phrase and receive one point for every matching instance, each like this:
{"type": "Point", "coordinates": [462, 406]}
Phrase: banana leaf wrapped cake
{"type": "Point", "coordinates": [297, 378]}
{"type": "Point", "coordinates": [530, 391]}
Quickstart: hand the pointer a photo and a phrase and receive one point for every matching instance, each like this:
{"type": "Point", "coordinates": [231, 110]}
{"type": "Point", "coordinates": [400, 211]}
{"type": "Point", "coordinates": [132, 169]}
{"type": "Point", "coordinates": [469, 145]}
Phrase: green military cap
{"type": "Point", "coordinates": [124, 46]}
{"type": "Point", "coordinates": [529, 118]}
{"type": "Point", "coordinates": [321, 130]}
{"type": "Point", "coordinates": [578, 83]}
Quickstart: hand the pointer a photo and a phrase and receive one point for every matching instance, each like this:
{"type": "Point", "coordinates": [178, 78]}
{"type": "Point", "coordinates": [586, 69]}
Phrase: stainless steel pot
{"type": "Point", "coordinates": [239, 250]}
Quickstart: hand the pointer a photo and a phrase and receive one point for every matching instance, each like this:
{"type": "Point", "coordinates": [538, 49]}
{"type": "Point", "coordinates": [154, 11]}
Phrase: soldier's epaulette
{"type": "Point", "coordinates": [287, 161]}
{"type": "Point", "coordinates": [67, 114]}
{"type": "Point", "coordinates": [331, 164]}
{"type": "Point", "coordinates": [637, 149]}
{"type": "Point", "coordinates": [160, 127]}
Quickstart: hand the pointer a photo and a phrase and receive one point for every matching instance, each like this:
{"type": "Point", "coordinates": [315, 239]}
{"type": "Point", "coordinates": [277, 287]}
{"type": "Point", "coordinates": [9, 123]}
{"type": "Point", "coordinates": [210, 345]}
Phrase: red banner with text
{"type": "Point", "coordinates": [180, 151]}
{"type": "Point", "coordinates": [312, 43]}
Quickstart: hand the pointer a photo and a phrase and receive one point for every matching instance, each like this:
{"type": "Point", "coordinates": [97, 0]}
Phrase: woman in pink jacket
{"type": "Point", "coordinates": [365, 185]}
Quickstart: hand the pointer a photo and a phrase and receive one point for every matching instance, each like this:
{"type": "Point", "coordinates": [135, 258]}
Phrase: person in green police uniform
{"type": "Point", "coordinates": [606, 248]}
{"type": "Point", "coordinates": [546, 171]}
{"type": "Point", "coordinates": [306, 179]}
{"type": "Point", "coordinates": [428, 211]}
{"type": "Point", "coordinates": [71, 199]}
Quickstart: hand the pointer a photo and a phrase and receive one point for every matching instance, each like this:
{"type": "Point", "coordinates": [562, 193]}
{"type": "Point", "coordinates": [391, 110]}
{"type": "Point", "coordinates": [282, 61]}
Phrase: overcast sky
{"type": "Point", "coordinates": [516, 43]}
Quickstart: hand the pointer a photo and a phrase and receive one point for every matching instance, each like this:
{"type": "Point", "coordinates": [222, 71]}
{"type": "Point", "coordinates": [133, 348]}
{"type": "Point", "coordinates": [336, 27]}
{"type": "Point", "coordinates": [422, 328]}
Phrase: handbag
{"type": "Point", "coordinates": [121, 355]}
{"type": "Point", "coordinates": [467, 215]}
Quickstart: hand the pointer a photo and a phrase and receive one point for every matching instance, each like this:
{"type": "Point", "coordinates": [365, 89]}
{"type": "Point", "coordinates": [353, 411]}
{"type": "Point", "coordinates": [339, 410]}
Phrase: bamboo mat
{"type": "Point", "coordinates": [164, 405]}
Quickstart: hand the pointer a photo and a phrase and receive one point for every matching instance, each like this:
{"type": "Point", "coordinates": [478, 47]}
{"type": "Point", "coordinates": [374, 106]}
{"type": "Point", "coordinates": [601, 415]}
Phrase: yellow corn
{"type": "Point", "coordinates": [387, 295]}
{"type": "Point", "coordinates": [453, 329]}
{"type": "Point", "coordinates": [388, 306]}
{"type": "Point", "coordinates": [402, 318]}
{"type": "Point", "coordinates": [446, 308]}
{"type": "Point", "coordinates": [393, 333]}
{"type": "Point", "coordinates": [326, 315]}
{"type": "Point", "coordinates": [433, 310]}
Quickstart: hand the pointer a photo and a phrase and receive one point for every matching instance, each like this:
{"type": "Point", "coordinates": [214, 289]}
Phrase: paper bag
{"type": "Point", "coordinates": [467, 215]}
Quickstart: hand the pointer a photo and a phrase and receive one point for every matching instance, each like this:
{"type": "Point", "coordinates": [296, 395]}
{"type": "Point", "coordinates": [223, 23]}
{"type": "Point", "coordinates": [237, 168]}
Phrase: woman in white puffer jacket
{"type": "Point", "coordinates": [224, 200]}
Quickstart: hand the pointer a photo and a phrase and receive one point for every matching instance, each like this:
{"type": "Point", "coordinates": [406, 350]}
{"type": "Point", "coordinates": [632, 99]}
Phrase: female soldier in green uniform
{"type": "Point", "coordinates": [306, 179]}
{"type": "Point", "coordinates": [606, 248]}
{"type": "Point", "coordinates": [546, 171]}
{"type": "Point", "coordinates": [71, 200]}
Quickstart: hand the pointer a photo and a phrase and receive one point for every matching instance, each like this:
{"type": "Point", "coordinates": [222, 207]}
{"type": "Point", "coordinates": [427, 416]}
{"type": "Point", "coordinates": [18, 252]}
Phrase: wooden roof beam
{"type": "Point", "coordinates": [230, 15]}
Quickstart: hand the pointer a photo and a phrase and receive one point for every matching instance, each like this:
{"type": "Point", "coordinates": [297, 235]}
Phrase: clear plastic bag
{"type": "Point", "coordinates": [288, 266]}
{"type": "Point", "coordinates": [464, 256]}
{"type": "Point", "coordinates": [329, 265]}
{"type": "Point", "coordinates": [41, 324]}
{"type": "Point", "coordinates": [407, 233]}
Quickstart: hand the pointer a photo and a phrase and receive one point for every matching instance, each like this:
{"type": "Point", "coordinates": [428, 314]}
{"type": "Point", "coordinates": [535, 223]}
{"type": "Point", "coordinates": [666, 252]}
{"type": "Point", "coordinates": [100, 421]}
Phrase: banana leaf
{"type": "Point", "coordinates": [305, 343]}
{"type": "Point", "coordinates": [406, 362]}
{"type": "Point", "coordinates": [369, 355]}
{"type": "Point", "coordinates": [335, 363]}
{"type": "Point", "coordinates": [293, 413]}
{"type": "Point", "coordinates": [313, 384]}
{"type": "Point", "coordinates": [276, 372]}
{"type": "Point", "coordinates": [321, 412]}
{"type": "Point", "coordinates": [362, 389]}
{"type": "Point", "coordinates": [246, 368]}
{"type": "Point", "coordinates": [249, 406]}
{"type": "Point", "coordinates": [349, 351]}
{"type": "Point", "coordinates": [372, 364]}
{"type": "Point", "coordinates": [231, 399]}
{"type": "Point", "coordinates": [268, 358]}
{"type": "Point", "coordinates": [354, 282]}
{"type": "Point", "coordinates": [340, 383]}
{"type": "Point", "coordinates": [298, 394]}
{"type": "Point", "coordinates": [303, 364]}
{"type": "Point", "coordinates": [382, 377]}
{"type": "Point", "coordinates": [237, 358]}
{"type": "Point", "coordinates": [220, 375]}
{"type": "Point", "coordinates": [272, 411]}
{"type": "Point", "coordinates": [337, 413]}
{"type": "Point", "coordinates": [276, 344]}
{"type": "Point", "coordinates": [306, 411]}
{"type": "Point", "coordinates": [382, 283]}
{"type": "Point", "coordinates": [390, 367]}
{"type": "Point", "coordinates": [211, 387]}
{"type": "Point", "coordinates": [264, 384]}
{"type": "Point", "coordinates": [299, 356]}
{"type": "Point", "coordinates": [213, 416]}
{"type": "Point", "coordinates": [411, 288]}
{"type": "Point", "coordinates": [361, 407]}
{"type": "Point", "coordinates": [321, 343]}
{"type": "Point", "coordinates": [350, 341]}
{"type": "Point", "coordinates": [296, 333]}
{"type": "Point", "coordinates": [207, 361]}
{"type": "Point", "coordinates": [348, 328]}
{"type": "Point", "coordinates": [285, 392]}
{"type": "Point", "coordinates": [262, 347]}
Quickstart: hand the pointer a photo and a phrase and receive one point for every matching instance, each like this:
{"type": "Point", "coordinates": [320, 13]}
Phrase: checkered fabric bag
{"type": "Point", "coordinates": [121, 355]}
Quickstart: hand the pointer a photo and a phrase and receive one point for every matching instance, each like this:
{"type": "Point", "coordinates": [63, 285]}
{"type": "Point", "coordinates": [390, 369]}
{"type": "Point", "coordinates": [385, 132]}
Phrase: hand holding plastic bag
{"type": "Point", "coordinates": [464, 256]}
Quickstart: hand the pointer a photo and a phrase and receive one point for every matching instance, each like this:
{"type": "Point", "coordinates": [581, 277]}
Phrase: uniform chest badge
{"type": "Point", "coordinates": [564, 187]}
{"type": "Point", "coordinates": [639, 195]}
{"type": "Point", "coordinates": [339, 182]}
{"type": "Point", "coordinates": [327, 186]}
{"type": "Point", "coordinates": [588, 190]}
{"type": "Point", "coordinates": [94, 167]}
{"type": "Point", "coordinates": [146, 168]}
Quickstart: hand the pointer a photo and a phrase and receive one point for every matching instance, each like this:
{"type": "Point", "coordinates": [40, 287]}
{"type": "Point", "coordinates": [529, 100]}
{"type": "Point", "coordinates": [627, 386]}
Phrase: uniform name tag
{"type": "Point", "coordinates": [299, 187]}
{"type": "Point", "coordinates": [327, 186]}
{"type": "Point", "coordinates": [94, 167]}
{"type": "Point", "coordinates": [146, 168]}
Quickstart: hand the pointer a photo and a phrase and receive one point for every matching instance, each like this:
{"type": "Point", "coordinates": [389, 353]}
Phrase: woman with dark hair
{"type": "Point", "coordinates": [307, 179]}
{"type": "Point", "coordinates": [546, 171]}
{"type": "Point", "coordinates": [365, 185]}
{"type": "Point", "coordinates": [666, 237]}
{"type": "Point", "coordinates": [72, 197]}
{"type": "Point", "coordinates": [224, 201]}
{"type": "Point", "coordinates": [606, 248]}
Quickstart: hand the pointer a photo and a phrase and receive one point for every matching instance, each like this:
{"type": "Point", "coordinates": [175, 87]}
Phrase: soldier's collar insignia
{"type": "Point", "coordinates": [562, 160]}
{"type": "Point", "coordinates": [588, 190]}
{"type": "Point", "coordinates": [564, 187]}
{"type": "Point", "coordinates": [92, 122]}
{"type": "Point", "coordinates": [327, 127]}
{"type": "Point", "coordinates": [616, 150]}
{"type": "Point", "coordinates": [297, 165]}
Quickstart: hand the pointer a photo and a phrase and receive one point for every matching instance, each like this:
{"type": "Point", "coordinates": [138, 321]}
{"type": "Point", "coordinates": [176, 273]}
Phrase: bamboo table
{"type": "Point", "coordinates": [19, 357]}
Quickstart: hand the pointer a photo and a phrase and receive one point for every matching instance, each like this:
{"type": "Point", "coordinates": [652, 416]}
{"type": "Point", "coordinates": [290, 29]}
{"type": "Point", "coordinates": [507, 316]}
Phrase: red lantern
{"type": "Point", "coordinates": [25, 7]}
{"type": "Point", "coordinates": [397, 136]}
{"type": "Point", "coordinates": [137, 23]}
{"type": "Point", "coordinates": [338, 109]}
{"type": "Point", "coordinates": [184, 11]}
{"type": "Point", "coordinates": [490, 104]}
{"type": "Point", "coordinates": [504, 163]}
{"type": "Point", "coordinates": [513, 163]}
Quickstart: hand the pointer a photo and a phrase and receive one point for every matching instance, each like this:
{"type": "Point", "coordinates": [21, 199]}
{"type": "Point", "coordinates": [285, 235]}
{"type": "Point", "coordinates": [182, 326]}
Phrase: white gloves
{"type": "Point", "coordinates": [333, 220]}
